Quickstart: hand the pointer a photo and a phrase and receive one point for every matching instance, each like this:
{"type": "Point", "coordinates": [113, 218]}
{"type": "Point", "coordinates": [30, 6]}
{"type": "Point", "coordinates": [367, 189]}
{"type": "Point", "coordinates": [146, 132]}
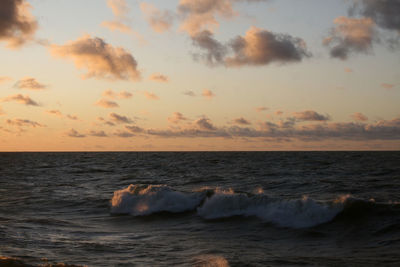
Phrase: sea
{"type": "Point", "coordinates": [200, 209]}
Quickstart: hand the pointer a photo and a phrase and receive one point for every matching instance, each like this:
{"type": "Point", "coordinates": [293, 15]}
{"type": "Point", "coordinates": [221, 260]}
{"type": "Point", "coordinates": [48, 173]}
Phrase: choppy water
{"type": "Point", "coordinates": [194, 209]}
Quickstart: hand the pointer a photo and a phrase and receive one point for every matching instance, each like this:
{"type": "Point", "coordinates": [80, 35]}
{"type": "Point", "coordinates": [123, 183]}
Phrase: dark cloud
{"type": "Point", "coordinates": [75, 134]}
{"type": "Point", "coordinates": [123, 134]}
{"type": "Point", "coordinates": [241, 121]}
{"type": "Point", "coordinates": [17, 25]}
{"type": "Point", "coordinates": [104, 103]}
{"type": "Point", "coordinates": [119, 118]}
{"type": "Point", "coordinates": [98, 133]}
{"type": "Point", "coordinates": [24, 123]}
{"type": "Point", "coordinates": [262, 47]}
{"type": "Point", "coordinates": [310, 115]}
{"type": "Point", "coordinates": [134, 129]}
{"type": "Point", "coordinates": [25, 100]}
{"type": "Point", "coordinates": [215, 51]}
{"type": "Point", "coordinates": [29, 83]}
{"type": "Point", "coordinates": [101, 59]}
{"type": "Point", "coordinates": [189, 93]}
{"type": "Point", "coordinates": [205, 124]}
{"type": "Point", "coordinates": [385, 13]}
{"type": "Point", "coordinates": [351, 35]}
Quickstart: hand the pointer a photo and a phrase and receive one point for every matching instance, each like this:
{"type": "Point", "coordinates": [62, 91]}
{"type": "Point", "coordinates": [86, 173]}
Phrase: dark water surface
{"type": "Point", "coordinates": [199, 208]}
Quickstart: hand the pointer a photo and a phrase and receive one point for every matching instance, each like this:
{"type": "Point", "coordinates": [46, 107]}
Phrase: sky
{"type": "Point", "coordinates": [199, 75]}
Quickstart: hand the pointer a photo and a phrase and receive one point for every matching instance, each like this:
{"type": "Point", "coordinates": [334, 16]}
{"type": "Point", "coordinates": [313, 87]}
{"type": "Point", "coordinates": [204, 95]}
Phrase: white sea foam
{"type": "Point", "coordinates": [147, 199]}
{"type": "Point", "coordinates": [139, 200]}
{"type": "Point", "coordinates": [299, 213]}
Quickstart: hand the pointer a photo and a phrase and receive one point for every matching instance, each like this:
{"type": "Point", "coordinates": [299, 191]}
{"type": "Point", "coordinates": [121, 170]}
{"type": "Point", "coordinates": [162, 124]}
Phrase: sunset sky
{"type": "Point", "coordinates": [105, 75]}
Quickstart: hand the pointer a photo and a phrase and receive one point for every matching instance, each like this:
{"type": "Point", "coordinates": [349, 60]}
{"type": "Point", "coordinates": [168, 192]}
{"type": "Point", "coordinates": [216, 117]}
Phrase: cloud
{"type": "Point", "coordinates": [24, 123]}
{"type": "Point", "coordinates": [75, 134]}
{"type": "Point", "coordinates": [1, 111]}
{"type": "Point", "coordinates": [351, 35]}
{"type": "Point", "coordinates": [241, 121]}
{"type": "Point", "coordinates": [208, 94]}
{"type": "Point", "coordinates": [123, 134]}
{"type": "Point", "coordinates": [119, 118]}
{"type": "Point", "coordinates": [262, 47]}
{"type": "Point", "coordinates": [119, 7]}
{"type": "Point", "coordinates": [113, 95]}
{"type": "Point", "coordinates": [278, 112]}
{"type": "Point", "coordinates": [215, 52]}
{"type": "Point", "coordinates": [25, 100]}
{"type": "Point", "coordinates": [159, 21]}
{"type": "Point", "coordinates": [104, 103]}
{"type": "Point", "coordinates": [29, 83]}
{"type": "Point", "coordinates": [98, 133]}
{"type": "Point", "coordinates": [177, 117]}
{"type": "Point", "coordinates": [72, 117]}
{"type": "Point", "coordinates": [201, 15]}
{"type": "Point", "coordinates": [260, 109]}
{"type": "Point", "coordinates": [359, 117]}
{"type": "Point", "coordinates": [102, 60]}
{"type": "Point", "coordinates": [189, 93]}
{"type": "Point", "coordinates": [17, 25]}
{"type": "Point", "coordinates": [204, 124]}
{"type": "Point", "coordinates": [310, 115]}
{"type": "Point", "coordinates": [54, 112]}
{"type": "Point", "coordinates": [385, 13]}
{"type": "Point", "coordinates": [150, 96]}
{"type": "Point", "coordinates": [157, 77]}
{"type": "Point", "coordinates": [387, 85]}
{"type": "Point", "coordinates": [4, 79]}
{"type": "Point", "coordinates": [134, 129]}
{"type": "Point", "coordinates": [117, 26]}
{"type": "Point", "coordinates": [348, 70]}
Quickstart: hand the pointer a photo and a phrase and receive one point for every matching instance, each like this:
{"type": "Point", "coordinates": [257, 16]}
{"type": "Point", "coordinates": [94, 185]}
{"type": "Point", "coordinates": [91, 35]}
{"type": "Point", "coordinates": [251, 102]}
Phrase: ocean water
{"type": "Point", "coordinates": [201, 209]}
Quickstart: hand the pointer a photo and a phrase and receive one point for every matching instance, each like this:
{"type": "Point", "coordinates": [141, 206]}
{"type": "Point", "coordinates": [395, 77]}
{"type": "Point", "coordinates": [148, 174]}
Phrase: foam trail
{"type": "Point", "coordinates": [141, 200]}
{"type": "Point", "coordinates": [299, 213]}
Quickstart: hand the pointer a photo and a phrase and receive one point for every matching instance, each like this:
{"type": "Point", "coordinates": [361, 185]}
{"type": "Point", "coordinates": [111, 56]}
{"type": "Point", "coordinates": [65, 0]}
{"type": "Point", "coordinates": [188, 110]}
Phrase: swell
{"type": "Point", "coordinates": [213, 204]}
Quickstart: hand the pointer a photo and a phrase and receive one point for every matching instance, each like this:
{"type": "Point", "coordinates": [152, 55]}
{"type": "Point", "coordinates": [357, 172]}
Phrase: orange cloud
{"type": "Point", "coordinates": [201, 15]}
{"type": "Point", "coordinates": [348, 70]}
{"type": "Point", "coordinates": [101, 60]}
{"type": "Point", "coordinates": [17, 25]}
{"type": "Point", "coordinates": [351, 35]}
{"type": "Point", "coordinates": [208, 94]}
{"type": "Point", "coordinates": [359, 116]}
{"type": "Point", "coordinates": [113, 95]}
{"type": "Point", "coordinates": [26, 100]}
{"type": "Point", "coordinates": [72, 117]}
{"type": "Point", "coordinates": [29, 83]}
{"type": "Point", "coordinates": [387, 85]}
{"type": "Point", "coordinates": [106, 103]}
{"type": "Point", "coordinates": [4, 79]}
{"type": "Point", "coordinates": [118, 7]}
{"type": "Point", "coordinates": [117, 26]}
{"type": "Point", "coordinates": [150, 96]}
{"type": "Point", "coordinates": [55, 112]}
{"type": "Point", "coordinates": [177, 117]}
{"type": "Point", "coordinates": [157, 77]}
{"type": "Point", "coordinates": [159, 21]}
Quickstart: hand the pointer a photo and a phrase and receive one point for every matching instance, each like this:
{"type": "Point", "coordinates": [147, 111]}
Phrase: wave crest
{"type": "Point", "coordinates": [140, 200]}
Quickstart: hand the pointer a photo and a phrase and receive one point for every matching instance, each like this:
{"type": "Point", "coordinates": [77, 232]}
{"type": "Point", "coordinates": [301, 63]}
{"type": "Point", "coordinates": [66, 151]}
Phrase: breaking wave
{"type": "Point", "coordinates": [140, 200]}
